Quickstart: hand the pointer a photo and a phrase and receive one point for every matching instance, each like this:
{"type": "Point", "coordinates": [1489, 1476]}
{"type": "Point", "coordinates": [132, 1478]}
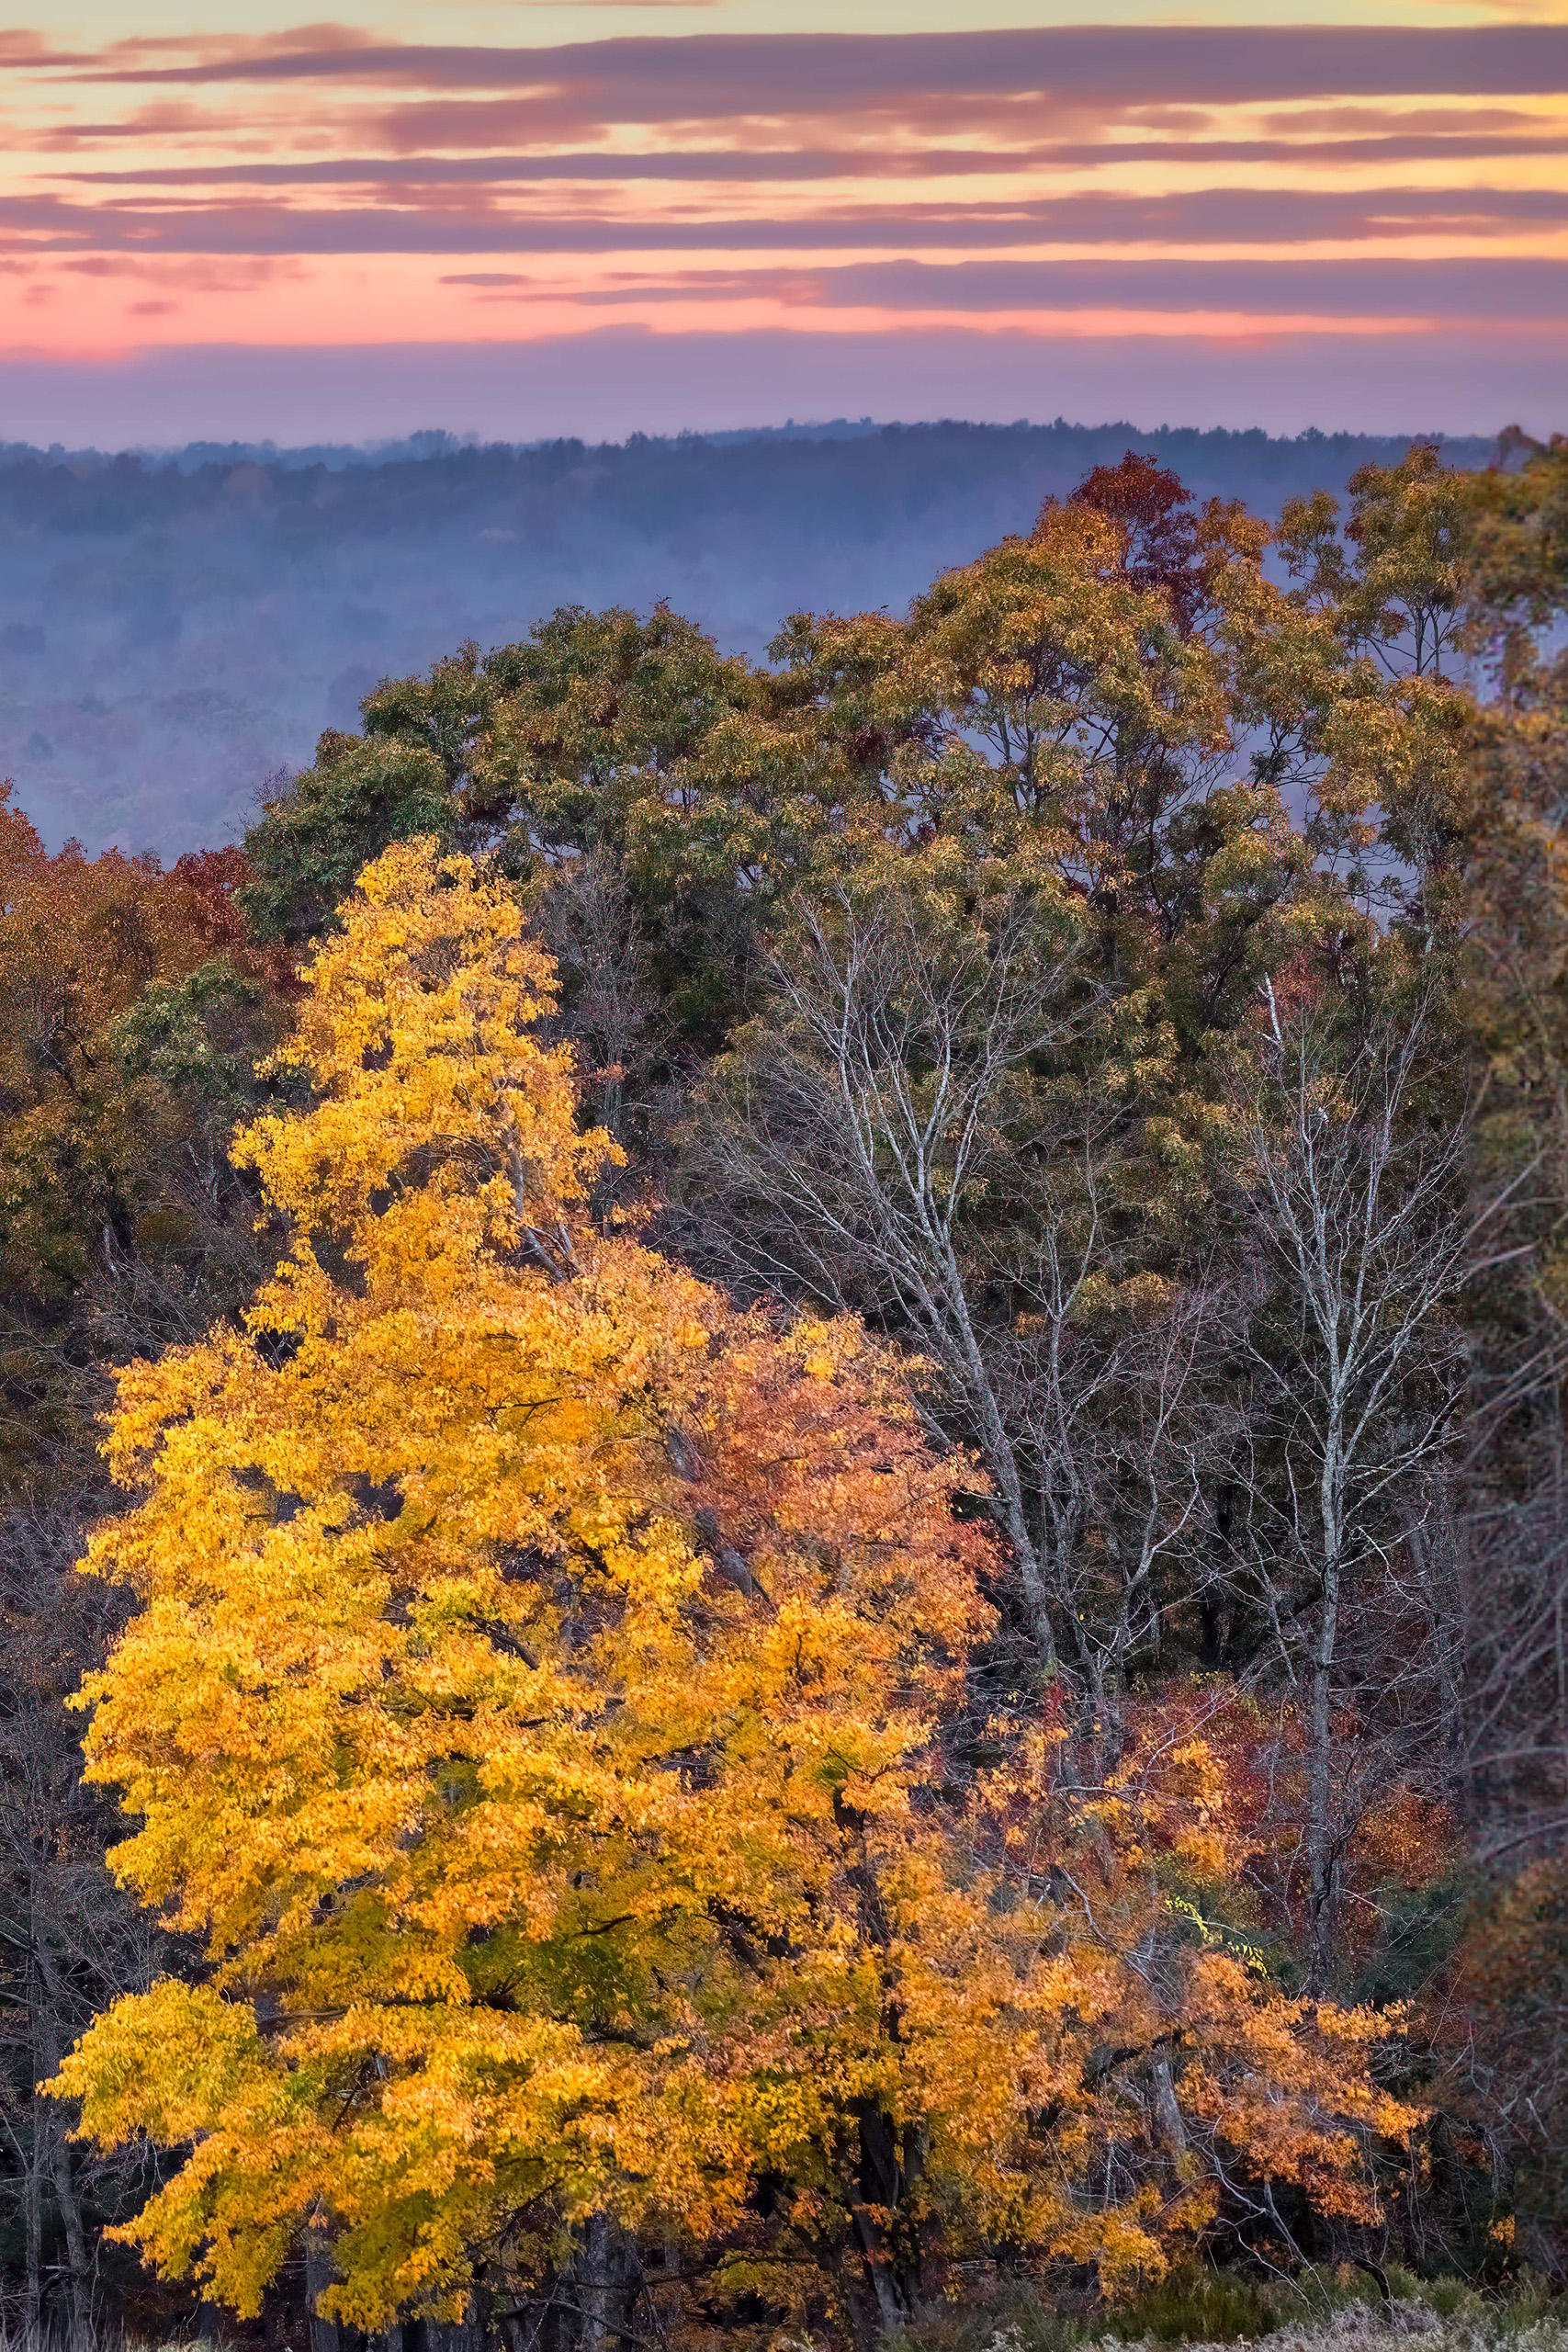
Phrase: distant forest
{"type": "Point", "coordinates": [177, 629]}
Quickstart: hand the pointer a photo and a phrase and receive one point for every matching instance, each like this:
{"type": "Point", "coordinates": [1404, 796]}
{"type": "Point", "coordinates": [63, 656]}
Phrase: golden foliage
{"type": "Point", "coordinates": [535, 1705]}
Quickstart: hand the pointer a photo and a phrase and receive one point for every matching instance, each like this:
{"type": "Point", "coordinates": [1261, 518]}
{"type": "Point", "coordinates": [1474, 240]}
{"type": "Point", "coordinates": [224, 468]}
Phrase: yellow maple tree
{"type": "Point", "coordinates": [534, 1707]}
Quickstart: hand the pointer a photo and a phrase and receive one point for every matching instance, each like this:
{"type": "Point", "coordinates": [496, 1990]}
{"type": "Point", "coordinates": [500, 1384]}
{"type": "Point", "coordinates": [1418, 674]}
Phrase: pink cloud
{"type": "Point", "coordinates": [708, 77]}
{"type": "Point", "coordinates": [402, 175]}
{"type": "Point", "coordinates": [746, 134]}
{"type": "Point", "coordinates": [472, 217]}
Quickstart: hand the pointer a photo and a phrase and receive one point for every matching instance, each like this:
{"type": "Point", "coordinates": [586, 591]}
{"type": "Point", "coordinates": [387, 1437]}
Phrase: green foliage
{"type": "Point", "coordinates": [360, 794]}
{"type": "Point", "coordinates": [1195, 2306]}
{"type": "Point", "coordinates": [1419, 1930]}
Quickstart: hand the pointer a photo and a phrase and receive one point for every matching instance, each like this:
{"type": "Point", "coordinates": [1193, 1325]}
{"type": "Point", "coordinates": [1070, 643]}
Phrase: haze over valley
{"type": "Point", "coordinates": [176, 630]}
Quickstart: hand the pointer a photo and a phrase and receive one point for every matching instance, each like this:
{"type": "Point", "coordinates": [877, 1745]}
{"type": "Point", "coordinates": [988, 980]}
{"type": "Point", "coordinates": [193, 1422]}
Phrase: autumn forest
{"type": "Point", "coordinates": [785, 1508]}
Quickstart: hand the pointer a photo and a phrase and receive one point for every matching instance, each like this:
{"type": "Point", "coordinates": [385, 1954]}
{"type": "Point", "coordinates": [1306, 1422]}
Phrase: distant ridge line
{"type": "Point", "coordinates": [435, 444]}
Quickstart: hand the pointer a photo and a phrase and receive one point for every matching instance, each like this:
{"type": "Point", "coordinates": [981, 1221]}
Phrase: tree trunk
{"type": "Point", "coordinates": [51, 2030]}
{"type": "Point", "coordinates": [32, 2289]}
{"type": "Point", "coordinates": [1322, 1855]}
{"type": "Point", "coordinates": [1167, 2110]}
{"type": "Point", "coordinates": [38, 2122]}
{"type": "Point", "coordinates": [325, 2335]}
{"type": "Point", "coordinates": [80, 2269]}
{"type": "Point", "coordinates": [890, 2265]}
{"type": "Point", "coordinates": [1002, 1463]}
{"type": "Point", "coordinates": [593, 2295]}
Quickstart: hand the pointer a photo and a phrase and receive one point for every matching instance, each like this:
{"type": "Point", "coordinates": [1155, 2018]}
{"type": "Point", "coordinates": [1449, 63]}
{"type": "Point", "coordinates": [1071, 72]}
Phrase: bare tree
{"type": "Point", "coordinates": [904, 1134]}
{"type": "Point", "coordinates": [610, 1007]}
{"type": "Point", "coordinates": [1364, 1236]}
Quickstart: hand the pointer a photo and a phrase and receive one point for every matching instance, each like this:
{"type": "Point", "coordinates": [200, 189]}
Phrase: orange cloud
{"type": "Point", "coordinates": [324, 181]}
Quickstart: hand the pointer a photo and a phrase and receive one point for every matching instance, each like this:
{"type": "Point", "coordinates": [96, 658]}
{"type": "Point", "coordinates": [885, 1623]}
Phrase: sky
{"type": "Point", "coordinates": [530, 217]}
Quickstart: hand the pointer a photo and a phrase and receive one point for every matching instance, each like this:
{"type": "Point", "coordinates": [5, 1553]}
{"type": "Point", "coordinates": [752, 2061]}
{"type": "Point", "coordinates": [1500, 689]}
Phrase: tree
{"type": "Point", "coordinates": [1163, 538]}
{"type": "Point", "coordinates": [1338, 682]}
{"type": "Point", "coordinates": [910, 1134]}
{"type": "Point", "coordinates": [513, 1622]}
{"type": "Point", "coordinates": [69, 1939]}
{"type": "Point", "coordinates": [1355, 1195]}
{"type": "Point", "coordinates": [850, 1142]}
{"type": "Point", "coordinates": [133, 1002]}
{"type": "Point", "coordinates": [978, 1099]}
{"type": "Point", "coordinates": [1396, 593]}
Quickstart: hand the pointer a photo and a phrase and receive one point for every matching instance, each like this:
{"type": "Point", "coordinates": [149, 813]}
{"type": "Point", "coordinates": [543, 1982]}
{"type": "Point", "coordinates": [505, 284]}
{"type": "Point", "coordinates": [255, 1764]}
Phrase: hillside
{"type": "Point", "coordinates": [176, 629]}
{"type": "Point", "coordinates": [818, 1413]}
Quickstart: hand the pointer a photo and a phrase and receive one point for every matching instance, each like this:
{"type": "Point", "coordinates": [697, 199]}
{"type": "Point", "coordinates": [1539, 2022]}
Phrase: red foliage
{"type": "Point", "coordinates": [1402, 1840]}
{"type": "Point", "coordinates": [203, 889]}
{"type": "Point", "coordinates": [1153, 509]}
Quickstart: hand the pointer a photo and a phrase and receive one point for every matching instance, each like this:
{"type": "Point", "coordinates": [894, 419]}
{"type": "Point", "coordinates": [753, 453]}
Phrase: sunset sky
{"type": "Point", "coordinates": [530, 215]}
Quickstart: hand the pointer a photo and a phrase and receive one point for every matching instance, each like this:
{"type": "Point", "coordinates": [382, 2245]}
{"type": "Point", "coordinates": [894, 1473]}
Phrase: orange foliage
{"type": "Point", "coordinates": [536, 1704]}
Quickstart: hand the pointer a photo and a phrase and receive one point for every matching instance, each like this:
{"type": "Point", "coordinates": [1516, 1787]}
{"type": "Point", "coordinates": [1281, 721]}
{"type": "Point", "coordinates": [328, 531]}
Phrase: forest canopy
{"type": "Point", "coordinates": [830, 1556]}
{"type": "Point", "coordinates": [176, 627]}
